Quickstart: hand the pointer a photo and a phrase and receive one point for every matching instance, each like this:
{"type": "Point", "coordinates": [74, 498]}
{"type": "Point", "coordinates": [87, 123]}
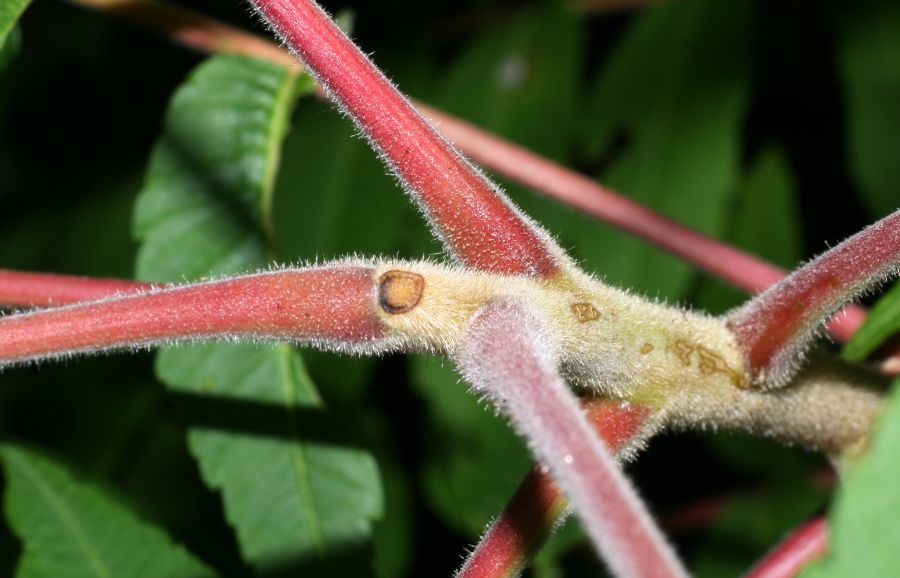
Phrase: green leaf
{"type": "Point", "coordinates": [331, 182]}
{"type": "Point", "coordinates": [882, 322]}
{"type": "Point", "coordinates": [868, 42]}
{"type": "Point", "coordinates": [666, 117]}
{"type": "Point", "coordinates": [10, 11]}
{"type": "Point", "coordinates": [291, 491]}
{"type": "Point", "coordinates": [764, 220]}
{"type": "Point", "coordinates": [73, 528]}
{"type": "Point", "coordinates": [9, 49]}
{"type": "Point", "coordinates": [296, 496]}
{"type": "Point", "coordinates": [205, 207]}
{"type": "Point", "coordinates": [864, 521]}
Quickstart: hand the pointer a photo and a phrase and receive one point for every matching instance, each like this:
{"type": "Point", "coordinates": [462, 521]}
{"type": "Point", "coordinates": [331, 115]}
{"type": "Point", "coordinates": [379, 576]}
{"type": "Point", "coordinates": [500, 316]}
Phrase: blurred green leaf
{"type": "Point", "coordinates": [882, 322]}
{"type": "Point", "coordinates": [868, 43]}
{"type": "Point", "coordinates": [330, 186]}
{"type": "Point", "coordinates": [10, 11]}
{"type": "Point", "coordinates": [666, 116]}
{"type": "Point", "coordinates": [764, 220]}
{"type": "Point", "coordinates": [9, 49]}
{"type": "Point", "coordinates": [751, 523]}
{"type": "Point", "coordinates": [864, 521]}
{"type": "Point", "coordinates": [331, 182]}
{"type": "Point", "coordinates": [520, 79]}
{"type": "Point", "coordinates": [476, 461]}
{"type": "Point", "coordinates": [297, 498]}
{"type": "Point", "coordinates": [8, 53]}
{"type": "Point", "coordinates": [73, 528]}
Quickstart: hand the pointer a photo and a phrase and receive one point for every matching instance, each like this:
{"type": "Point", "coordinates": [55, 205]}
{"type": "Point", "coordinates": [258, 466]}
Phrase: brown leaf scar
{"type": "Point", "coordinates": [400, 291]}
{"type": "Point", "coordinates": [585, 312]}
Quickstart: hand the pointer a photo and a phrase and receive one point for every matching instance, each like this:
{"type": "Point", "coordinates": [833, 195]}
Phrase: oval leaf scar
{"type": "Point", "coordinates": [400, 291]}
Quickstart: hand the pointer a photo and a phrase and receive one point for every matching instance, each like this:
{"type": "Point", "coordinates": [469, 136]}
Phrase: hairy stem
{"type": "Point", "coordinates": [468, 213]}
{"type": "Point", "coordinates": [21, 289]}
{"type": "Point", "coordinates": [329, 306]}
{"type": "Point", "coordinates": [517, 163]}
{"type": "Point", "coordinates": [539, 503]}
{"type": "Point", "coordinates": [508, 355]}
{"type": "Point", "coordinates": [775, 328]}
{"type": "Point", "coordinates": [806, 544]}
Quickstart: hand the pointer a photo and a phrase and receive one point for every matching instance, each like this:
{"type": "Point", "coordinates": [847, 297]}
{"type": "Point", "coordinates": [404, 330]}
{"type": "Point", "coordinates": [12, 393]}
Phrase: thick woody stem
{"type": "Point", "coordinates": [332, 307]}
{"type": "Point", "coordinates": [806, 544]}
{"type": "Point", "coordinates": [473, 218]}
{"type": "Point", "coordinates": [508, 356]}
{"type": "Point", "coordinates": [538, 505]}
{"type": "Point", "coordinates": [21, 289]}
{"type": "Point", "coordinates": [775, 328]}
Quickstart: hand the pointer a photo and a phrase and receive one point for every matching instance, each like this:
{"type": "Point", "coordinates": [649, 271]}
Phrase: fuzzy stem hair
{"type": "Point", "coordinates": [475, 221]}
{"type": "Point", "coordinates": [776, 328]}
{"type": "Point", "coordinates": [517, 163]}
{"type": "Point", "coordinates": [538, 505]}
{"type": "Point", "coordinates": [509, 356]}
{"type": "Point", "coordinates": [331, 307]}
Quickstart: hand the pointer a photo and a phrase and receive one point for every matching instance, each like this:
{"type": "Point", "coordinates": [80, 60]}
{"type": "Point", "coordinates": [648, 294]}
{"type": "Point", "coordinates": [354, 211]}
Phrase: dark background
{"type": "Point", "coordinates": [81, 107]}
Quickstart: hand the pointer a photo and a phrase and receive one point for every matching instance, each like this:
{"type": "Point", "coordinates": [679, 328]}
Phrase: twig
{"type": "Point", "coordinates": [538, 504]}
{"type": "Point", "coordinates": [475, 221]}
{"type": "Point", "coordinates": [776, 327]}
{"type": "Point", "coordinates": [807, 543]}
{"type": "Point", "coordinates": [508, 355]}
{"type": "Point", "coordinates": [517, 163]}
{"type": "Point", "coordinates": [20, 289]}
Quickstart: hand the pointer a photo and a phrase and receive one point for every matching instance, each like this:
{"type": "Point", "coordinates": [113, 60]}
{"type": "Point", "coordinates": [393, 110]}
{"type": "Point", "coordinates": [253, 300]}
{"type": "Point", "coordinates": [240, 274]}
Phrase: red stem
{"type": "Point", "coordinates": [475, 221]}
{"type": "Point", "coordinates": [330, 306]}
{"type": "Point", "coordinates": [807, 543]}
{"type": "Point", "coordinates": [507, 355]}
{"type": "Point", "coordinates": [515, 162]}
{"type": "Point", "coordinates": [521, 165]}
{"type": "Point", "coordinates": [775, 327]}
{"type": "Point", "coordinates": [21, 289]}
{"type": "Point", "coordinates": [537, 506]}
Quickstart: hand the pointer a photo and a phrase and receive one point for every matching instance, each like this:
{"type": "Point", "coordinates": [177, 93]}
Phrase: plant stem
{"type": "Point", "coordinates": [329, 306]}
{"type": "Point", "coordinates": [517, 163]}
{"type": "Point", "coordinates": [807, 543]}
{"type": "Point", "coordinates": [467, 212]}
{"type": "Point", "coordinates": [507, 355]}
{"type": "Point", "coordinates": [538, 504]}
{"type": "Point", "coordinates": [22, 289]}
{"type": "Point", "coordinates": [775, 328]}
